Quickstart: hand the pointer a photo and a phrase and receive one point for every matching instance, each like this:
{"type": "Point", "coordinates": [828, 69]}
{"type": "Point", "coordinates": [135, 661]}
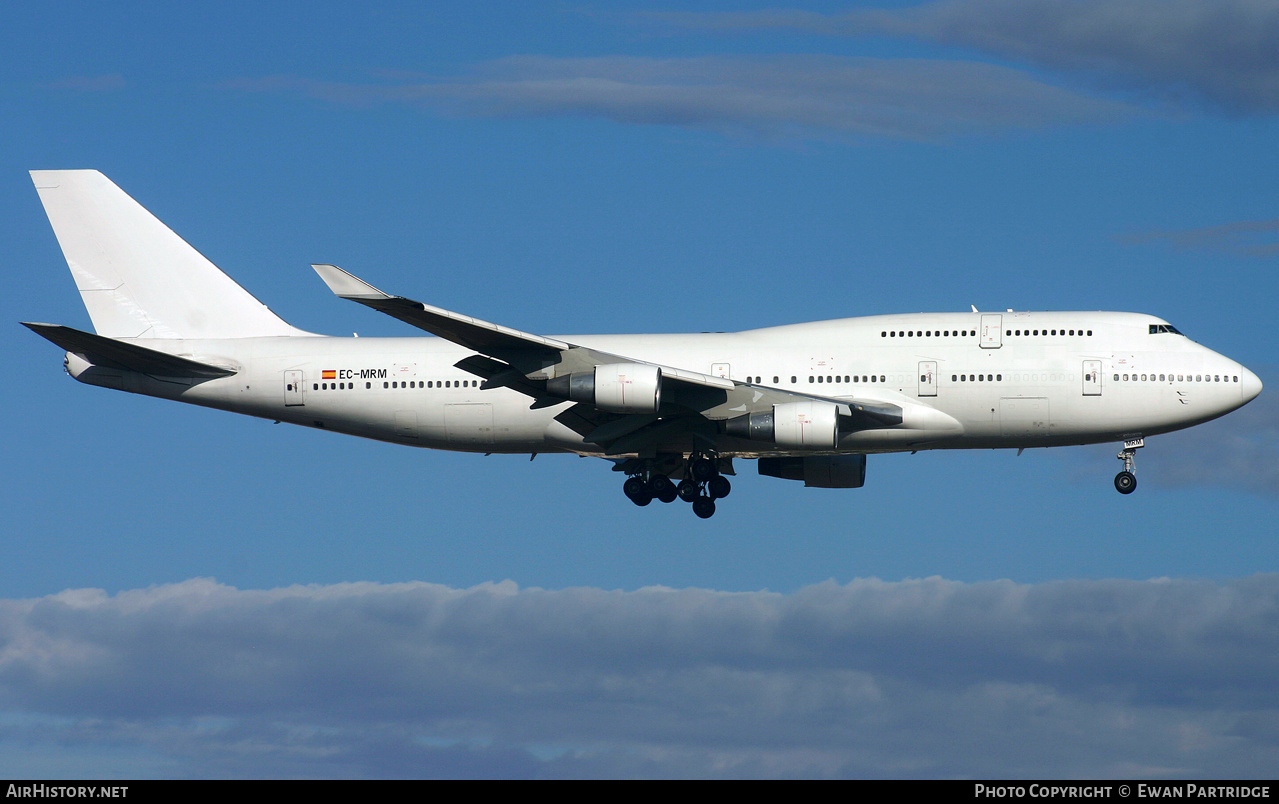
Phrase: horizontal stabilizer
{"type": "Point", "coordinates": [110, 353]}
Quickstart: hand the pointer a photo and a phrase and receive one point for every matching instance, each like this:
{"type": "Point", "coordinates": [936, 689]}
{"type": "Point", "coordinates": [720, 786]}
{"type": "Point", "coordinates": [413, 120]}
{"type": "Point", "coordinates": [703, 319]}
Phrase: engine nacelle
{"type": "Point", "coordinates": [791, 425]}
{"type": "Point", "coordinates": [819, 471]}
{"type": "Point", "coordinates": [614, 387]}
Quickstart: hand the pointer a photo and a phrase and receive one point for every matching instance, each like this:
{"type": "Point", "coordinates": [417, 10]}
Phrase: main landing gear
{"type": "Point", "coordinates": [701, 484]}
{"type": "Point", "coordinates": [1126, 481]}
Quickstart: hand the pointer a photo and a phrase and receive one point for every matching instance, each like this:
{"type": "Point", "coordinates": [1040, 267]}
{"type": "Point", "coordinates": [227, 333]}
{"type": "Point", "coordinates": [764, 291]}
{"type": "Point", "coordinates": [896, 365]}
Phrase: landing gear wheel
{"type": "Point", "coordinates": [659, 483]}
{"type": "Point", "coordinates": [704, 507]}
{"type": "Point", "coordinates": [687, 490]}
{"type": "Point", "coordinates": [702, 469]}
{"type": "Point", "coordinates": [637, 491]}
{"type": "Point", "coordinates": [718, 487]}
{"type": "Point", "coordinates": [1125, 482]}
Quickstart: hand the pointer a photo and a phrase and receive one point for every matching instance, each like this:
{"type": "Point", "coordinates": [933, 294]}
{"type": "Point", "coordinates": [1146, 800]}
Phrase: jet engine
{"type": "Point", "coordinates": [614, 387]}
{"type": "Point", "coordinates": [791, 425]}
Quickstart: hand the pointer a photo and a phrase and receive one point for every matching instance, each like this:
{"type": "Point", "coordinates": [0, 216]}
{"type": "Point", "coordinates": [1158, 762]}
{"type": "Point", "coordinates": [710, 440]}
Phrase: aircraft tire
{"type": "Point", "coordinates": [634, 486]}
{"type": "Point", "coordinates": [704, 507]}
{"type": "Point", "coordinates": [702, 469]}
{"type": "Point", "coordinates": [718, 487]}
{"type": "Point", "coordinates": [687, 490]}
{"type": "Point", "coordinates": [659, 483]}
{"type": "Point", "coordinates": [1125, 482]}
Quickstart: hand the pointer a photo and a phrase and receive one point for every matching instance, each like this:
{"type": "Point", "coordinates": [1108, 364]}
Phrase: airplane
{"type": "Point", "coordinates": [807, 401]}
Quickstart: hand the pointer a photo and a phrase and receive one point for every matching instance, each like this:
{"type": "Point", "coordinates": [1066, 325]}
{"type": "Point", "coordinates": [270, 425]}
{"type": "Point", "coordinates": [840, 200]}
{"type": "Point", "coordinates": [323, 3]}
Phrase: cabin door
{"type": "Point", "coordinates": [1092, 378]}
{"type": "Point", "coordinates": [928, 378]}
{"type": "Point", "coordinates": [293, 388]}
{"type": "Point", "coordinates": [992, 331]}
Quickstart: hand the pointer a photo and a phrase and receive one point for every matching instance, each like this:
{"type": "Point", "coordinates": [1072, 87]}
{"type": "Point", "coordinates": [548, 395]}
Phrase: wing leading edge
{"type": "Point", "coordinates": [552, 371]}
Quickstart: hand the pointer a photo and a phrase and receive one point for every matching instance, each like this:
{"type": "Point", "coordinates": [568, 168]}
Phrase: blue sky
{"type": "Point", "coordinates": [180, 583]}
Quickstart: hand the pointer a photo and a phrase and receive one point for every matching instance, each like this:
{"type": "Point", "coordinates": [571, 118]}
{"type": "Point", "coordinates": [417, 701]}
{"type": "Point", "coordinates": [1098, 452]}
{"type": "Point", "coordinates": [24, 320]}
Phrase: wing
{"type": "Point", "coordinates": [624, 404]}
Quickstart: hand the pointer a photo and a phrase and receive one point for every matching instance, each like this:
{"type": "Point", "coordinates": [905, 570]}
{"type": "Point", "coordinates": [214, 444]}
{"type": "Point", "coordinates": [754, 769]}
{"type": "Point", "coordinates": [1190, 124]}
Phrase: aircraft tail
{"type": "Point", "coordinates": [137, 278]}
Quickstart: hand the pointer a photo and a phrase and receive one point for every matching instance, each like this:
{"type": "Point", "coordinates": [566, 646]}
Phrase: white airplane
{"type": "Point", "coordinates": [809, 401]}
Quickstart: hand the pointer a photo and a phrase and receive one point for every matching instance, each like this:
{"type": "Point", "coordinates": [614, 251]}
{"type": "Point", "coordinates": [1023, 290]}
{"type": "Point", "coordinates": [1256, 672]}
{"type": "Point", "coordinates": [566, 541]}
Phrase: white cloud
{"type": "Point", "coordinates": [917, 678]}
{"type": "Point", "coordinates": [1225, 52]}
{"type": "Point", "coordinates": [1258, 238]}
{"type": "Point", "coordinates": [763, 97]}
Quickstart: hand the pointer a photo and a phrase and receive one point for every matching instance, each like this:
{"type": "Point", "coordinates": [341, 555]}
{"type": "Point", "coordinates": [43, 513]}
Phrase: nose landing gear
{"type": "Point", "coordinates": [1126, 481]}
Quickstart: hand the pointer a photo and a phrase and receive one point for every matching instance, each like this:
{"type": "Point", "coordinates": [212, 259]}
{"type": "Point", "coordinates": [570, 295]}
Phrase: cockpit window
{"type": "Point", "coordinates": [1158, 328]}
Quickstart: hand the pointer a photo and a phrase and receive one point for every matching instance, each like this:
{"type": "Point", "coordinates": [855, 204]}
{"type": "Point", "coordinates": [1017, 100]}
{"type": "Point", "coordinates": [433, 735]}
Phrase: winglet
{"type": "Point", "coordinates": [346, 286]}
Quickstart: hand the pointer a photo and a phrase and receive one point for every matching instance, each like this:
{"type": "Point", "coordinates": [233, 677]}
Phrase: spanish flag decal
{"type": "Point", "coordinates": [329, 374]}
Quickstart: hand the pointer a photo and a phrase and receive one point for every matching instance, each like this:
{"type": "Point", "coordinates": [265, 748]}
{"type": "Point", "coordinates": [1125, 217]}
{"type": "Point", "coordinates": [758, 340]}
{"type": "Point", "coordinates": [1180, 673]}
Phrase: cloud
{"type": "Point", "coordinates": [1224, 52]}
{"type": "Point", "coordinates": [761, 97]}
{"type": "Point", "coordinates": [1239, 238]}
{"type": "Point", "coordinates": [918, 678]}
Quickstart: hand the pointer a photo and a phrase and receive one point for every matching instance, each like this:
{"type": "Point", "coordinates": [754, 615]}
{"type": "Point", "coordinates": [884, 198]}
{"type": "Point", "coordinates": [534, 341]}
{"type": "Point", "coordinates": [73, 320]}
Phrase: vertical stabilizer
{"type": "Point", "coordinates": [137, 278]}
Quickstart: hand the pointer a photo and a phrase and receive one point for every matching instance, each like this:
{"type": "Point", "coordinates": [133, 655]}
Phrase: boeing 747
{"type": "Point", "coordinates": [808, 402]}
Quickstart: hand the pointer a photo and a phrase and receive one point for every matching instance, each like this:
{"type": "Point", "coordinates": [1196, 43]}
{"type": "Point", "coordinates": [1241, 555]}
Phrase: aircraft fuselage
{"type": "Point", "coordinates": [1007, 380]}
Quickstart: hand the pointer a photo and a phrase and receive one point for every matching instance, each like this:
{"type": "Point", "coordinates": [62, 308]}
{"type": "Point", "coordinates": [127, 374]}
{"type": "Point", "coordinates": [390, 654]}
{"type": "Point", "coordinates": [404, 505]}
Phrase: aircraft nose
{"type": "Point", "coordinates": [1250, 384]}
